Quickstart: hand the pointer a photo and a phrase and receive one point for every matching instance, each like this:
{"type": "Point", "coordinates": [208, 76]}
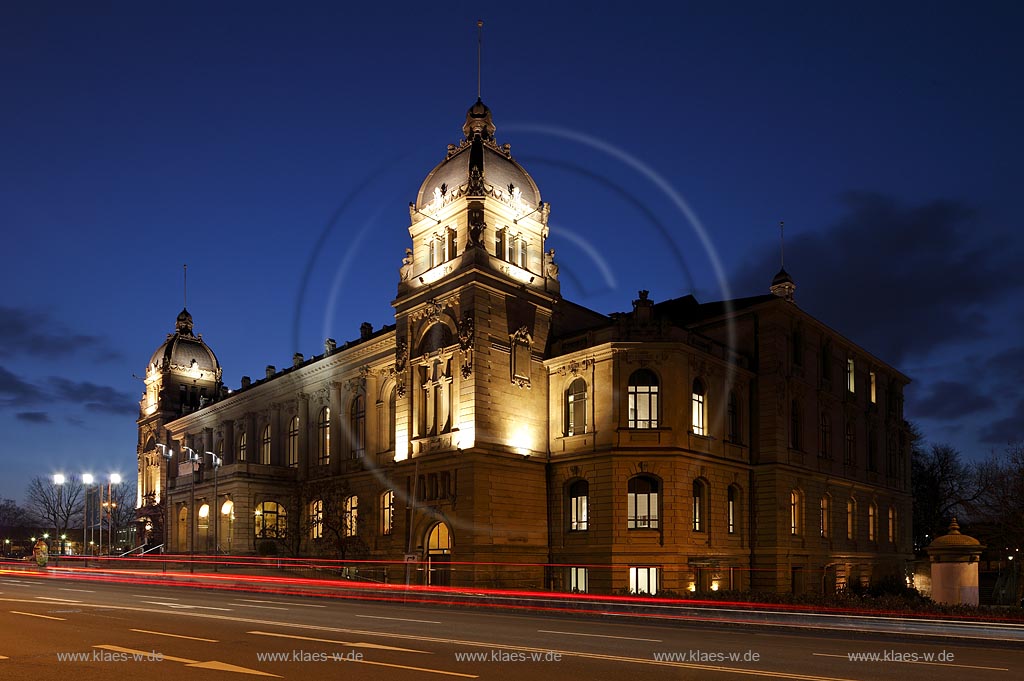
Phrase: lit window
{"type": "Point", "coordinates": [697, 400]}
{"type": "Point", "coordinates": [241, 446]}
{"type": "Point", "coordinates": [576, 407]}
{"type": "Point", "coordinates": [874, 385]}
{"type": "Point", "coordinates": [350, 516]}
{"type": "Point", "coordinates": [731, 508]}
{"type": "Point", "coordinates": [292, 453]}
{"type": "Point", "coordinates": [851, 385]}
{"type": "Point", "coordinates": [316, 519]}
{"type": "Point", "coordinates": [392, 419]}
{"type": "Point", "coordinates": [578, 580]}
{"type": "Point", "coordinates": [872, 521]}
{"type": "Point", "coordinates": [794, 512]}
{"type": "Point", "coordinates": [512, 248]}
{"type": "Point", "coordinates": [851, 519]}
{"type": "Point", "coordinates": [265, 446]}
{"type": "Point", "coordinates": [642, 503]}
{"type": "Point", "coordinates": [579, 493]}
{"type": "Point", "coordinates": [823, 520]}
{"type": "Point", "coordinates": [699, 505]}
{"type": "Point", "coordinates": [387, 512]}
{"type": "Point", "coordinates": [271, 521]}
{"type": "Point", "coordinates": [440, 247]}
{"type": "Point", "coordinates": [892, 525]}
{"type": "Point", "coordinates": [323, 441]}
{"type": "Point", "coordinates": [643, 399]}
{"type": "Point", "coordinates": [643, 580]}
{"type": "Point", "coordinates": [357, 427]}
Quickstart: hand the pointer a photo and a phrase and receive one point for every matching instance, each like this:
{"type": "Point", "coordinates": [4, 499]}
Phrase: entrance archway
{"type": "Point", "coordinates": [439, 555]}
{"type": "Point", "coordinates": [182, 535]}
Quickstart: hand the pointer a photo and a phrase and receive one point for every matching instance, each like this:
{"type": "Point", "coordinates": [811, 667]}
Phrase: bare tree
{"type": "Point", "coordinates": [1001, 506]}
{"type": "Point", "coordinates": [54, 506]}
{"type": "Point", "coordinates": [943, 486]}
{"type": "Point", "coordinates": [12, 517]}
{"type": "Point", "coordinates": [330, 520]}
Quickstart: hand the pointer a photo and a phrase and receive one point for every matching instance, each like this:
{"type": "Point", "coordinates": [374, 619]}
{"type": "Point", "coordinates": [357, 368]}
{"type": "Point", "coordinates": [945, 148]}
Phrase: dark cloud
{"type": "Point", "coordinates": [898, 280]}
{"type": "Point", "coordinates": [1006, 430]}
{"type": "Point", "coordinates": [31, 332]}
{"type": "Point", "coordinates": [33, 416]}
{"type": "Point", "coordinates": [14, 391]}
{"type": "Point", "coordinates": [95, 398]}
{"type": "Point", "coordinates": [951, 400]}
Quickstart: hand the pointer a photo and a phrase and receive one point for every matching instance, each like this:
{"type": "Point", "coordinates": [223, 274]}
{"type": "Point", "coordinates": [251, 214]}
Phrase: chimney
{"type": "Point", "coordinates": [246, 381]}
{"type": "Point", "coordinates": [271, 370]}
{"type": "Point", "coordinates": [296, 359]}
{"type": "Point", "coordinates": [330, 345]}
{"type": "Point", "coordinates": [365, 330]}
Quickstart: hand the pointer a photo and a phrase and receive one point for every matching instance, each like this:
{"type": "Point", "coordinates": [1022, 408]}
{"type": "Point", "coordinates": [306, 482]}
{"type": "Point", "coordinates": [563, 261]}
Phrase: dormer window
{"type": "Point", "coordinates": [440, 247]}
{"type": "Point", "coordinates": [512, 248]}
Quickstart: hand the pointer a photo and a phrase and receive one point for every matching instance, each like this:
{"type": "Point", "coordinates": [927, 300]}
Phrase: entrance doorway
{"type": "Point", "coordinates": [439, 555]}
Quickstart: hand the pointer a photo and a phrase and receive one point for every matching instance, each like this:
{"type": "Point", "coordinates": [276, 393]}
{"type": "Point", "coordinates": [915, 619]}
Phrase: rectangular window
{"type": "Point", "coordinates": [731, 511]}
{"type": "Point", "coordinates": [522, 253]}
{"type": "Point", "coordinates": [578, 580]}
{"type": "Point", "coordinates": [578, 512]}
{"type": "Point", "coordinates": [851, 385]}
{"type": "Point", "coordinates": [698, 414]}
{"type": "Point", "coordinates": [874, 394]}
{"type": "Point", "coordinates": [823, 519]}
{"type": "Point", "coordinates": [643, 580]}
{"type": "Point", "coordinates": [872, 522]}
{"type": "Point", "coordinates": [850, 510]}
{"type": "Point", "coordinates": [316, 519]}
{"type": "Point", "coordinates": [643, 510]}
{"type": "Point", "coordinates": [387, 512]}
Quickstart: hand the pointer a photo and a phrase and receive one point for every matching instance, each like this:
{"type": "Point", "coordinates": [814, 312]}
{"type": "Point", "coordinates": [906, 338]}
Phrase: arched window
{"type": "Point", "coordinates": [576, 407]}
{"type": "Point", "coordinates": [323, 440]}
{"type": "Point", "coordinates": [316, 519]}
{"type": "Point", "coordinates": [699, 422]}
{"type": "Point", "coordinates": [642, 503]}
{"type": "Point", "coordinates": [643, 399]}
{"type": "Point", "coordinates": [350, 516]}
{"type": "Point", "coordinates": [271, 521]}
{"type": "Point", "coordinates": [439, 549]}
{"type": "Point", "coordinates": [357, 427]}
{"type": "Point", "coordinates": [387, 512]}
{"type": "Point", "coordinates": [439, 541]}
{"type": "Point", "coordinates": [825, 436]}
{"type": "Point", "coordinates": [700, 505]}
{"type": "Point", "coordinates": [795, 512]}
{"type": "Point", "coordinates": [265, 446]}
{"type": "Point", "coordinates": [292, 453]}
{"type": "Point", "coordinates": [824, 516]}
{"type": "Point", "coordinates": [240, 447]}
{"type": "Point", "coordinates": [436, 337]}
{"type": "Point", "coordinates": [732, 508]}
{"type": "Point", "coordinates": [579, 493]}
{"type": "Point", "coordinates": [392, 418]}
{"type": "Point", "coordinates": [872, 521]}
{"type": "Point", "coordinates": [794, 425]}
{"type": "Point", "coordinates": [734, 418]}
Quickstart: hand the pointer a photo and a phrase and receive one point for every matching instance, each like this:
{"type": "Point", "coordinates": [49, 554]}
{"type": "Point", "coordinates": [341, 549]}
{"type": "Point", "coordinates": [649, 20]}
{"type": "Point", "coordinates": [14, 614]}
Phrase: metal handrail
{"type": "Point", "coordinates": [131, 551]}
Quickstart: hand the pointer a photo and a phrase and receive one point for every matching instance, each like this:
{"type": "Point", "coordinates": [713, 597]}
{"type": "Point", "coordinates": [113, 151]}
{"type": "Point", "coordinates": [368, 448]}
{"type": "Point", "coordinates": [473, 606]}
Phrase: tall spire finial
{"type": "Point", "coordinates": [479, 54]}
{"type": "Point", "coordinates": [184, 285]}
{"type": "Point", "coordinates": [783, 285]}
{"type": "Point", "coordinates": [782, 244]}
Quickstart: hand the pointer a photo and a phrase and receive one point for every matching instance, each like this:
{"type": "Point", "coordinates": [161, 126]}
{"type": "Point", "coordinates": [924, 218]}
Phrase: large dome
{"type": "Point", "coordinates": [501, 174]}
{"type": "Point", "coordinates": [183, 350]}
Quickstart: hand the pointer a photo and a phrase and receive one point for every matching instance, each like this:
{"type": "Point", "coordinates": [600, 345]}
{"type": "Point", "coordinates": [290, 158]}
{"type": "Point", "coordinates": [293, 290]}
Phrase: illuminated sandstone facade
{"type": "Point", "coordinates": [501, 436]}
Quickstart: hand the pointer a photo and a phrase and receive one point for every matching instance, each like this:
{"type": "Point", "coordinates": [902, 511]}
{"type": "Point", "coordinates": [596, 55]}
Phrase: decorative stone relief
{"type": "Point", "coordinates": [574, 367]}
{"type": "Point", "coordinates": [466, 334]}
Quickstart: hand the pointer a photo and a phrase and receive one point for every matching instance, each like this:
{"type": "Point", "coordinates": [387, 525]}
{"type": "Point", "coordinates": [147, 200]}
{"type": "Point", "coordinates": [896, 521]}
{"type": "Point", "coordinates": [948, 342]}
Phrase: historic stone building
{"type": "Point", "coordinates": [501, 436]}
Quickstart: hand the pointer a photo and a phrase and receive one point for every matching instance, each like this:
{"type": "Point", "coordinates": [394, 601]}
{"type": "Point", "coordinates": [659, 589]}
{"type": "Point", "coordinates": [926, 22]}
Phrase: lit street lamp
{"type": "Point", "coordinates": [87, 480]}
{"type": "Point", "coordinates": [216, 461]}
{"type": "Point", "coordinates": [59, 480]}
{"type": "Point", "coordinates": [113, 479]}
{"type": "Point", "coordinates": [193, 460]}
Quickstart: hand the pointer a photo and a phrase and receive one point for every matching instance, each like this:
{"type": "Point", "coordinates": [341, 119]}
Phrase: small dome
{"type": "Point", "coordinates": [953, 538]}
{"type": "Point", "coordinates": [782, 278]}
{"type": "Point", "coordinates": [501, 173]}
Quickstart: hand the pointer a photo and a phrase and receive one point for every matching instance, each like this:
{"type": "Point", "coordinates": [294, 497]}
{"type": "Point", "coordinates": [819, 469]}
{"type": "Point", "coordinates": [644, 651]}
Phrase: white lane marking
{"type": "Point", "coordinates": [186, 607]}
{"type": "Point", "coordinates": [211, 664]}
{"type": "Point", "coordinates": [166, 598]}
{"type": "Point", "coordinates": [397, 619]}
{"type": "Point", "coordinates": [376, 646]}
{"type": "Point", "coordinates": [84, 591]}
{"type": "Point", "coordinates": [297, 605]}
{"type": "Point", "coordinates": [164, 633]}
{"type": "Point", "coordinates": [58, 600]}
{"type": "Point", "coordinates": [849, 657]}
{"type": "Point", "coordinates": [17, 584]}
{"type": "Point", "coordinates": [575, 633]}
{"type": "Point", "coordinates": [264, 607]}
{"type": "Point", "coordinates": [32, 614]}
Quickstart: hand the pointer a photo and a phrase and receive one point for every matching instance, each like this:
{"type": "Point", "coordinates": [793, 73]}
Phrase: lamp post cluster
{"type": "Point", "coordinates": [88, 480]}
{"type": "Point", "coordinates": [195, 459]}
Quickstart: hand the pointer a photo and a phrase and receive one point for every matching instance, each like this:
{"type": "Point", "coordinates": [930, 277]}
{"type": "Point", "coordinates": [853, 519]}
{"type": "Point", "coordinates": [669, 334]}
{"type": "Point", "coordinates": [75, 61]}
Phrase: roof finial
{"type": "Point", "coordinates": [184, 285]}
{"type": "Point", "coordinates": [783, 285]}
{"type": "Point", "coordinates": [479, 54]}
{"type": "Point", "coordinates": [782, 244]}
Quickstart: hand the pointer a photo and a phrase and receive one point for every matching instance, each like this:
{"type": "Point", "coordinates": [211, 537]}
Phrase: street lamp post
{"type": "Point", "coordinates": [192, 516]}
{"type": "Point", "coordinates": [59, 480]}
{"type": "Point", "coordinates": [168, 454]}
{"type": "Point", "coordinates": [215, 515]}
{"type": "Point", "coordinates": [113, 479]}
{"type": "Point", "coordinates": [87, 480]}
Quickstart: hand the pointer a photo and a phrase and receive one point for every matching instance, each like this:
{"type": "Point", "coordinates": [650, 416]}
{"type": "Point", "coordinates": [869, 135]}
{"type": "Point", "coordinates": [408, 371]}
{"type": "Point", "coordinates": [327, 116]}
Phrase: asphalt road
{"type": "Point", "coordinates": [60, 628]}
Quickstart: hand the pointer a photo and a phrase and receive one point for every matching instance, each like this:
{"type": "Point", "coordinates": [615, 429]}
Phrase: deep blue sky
{"type": "Point", "coordinates": [267, 146]}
